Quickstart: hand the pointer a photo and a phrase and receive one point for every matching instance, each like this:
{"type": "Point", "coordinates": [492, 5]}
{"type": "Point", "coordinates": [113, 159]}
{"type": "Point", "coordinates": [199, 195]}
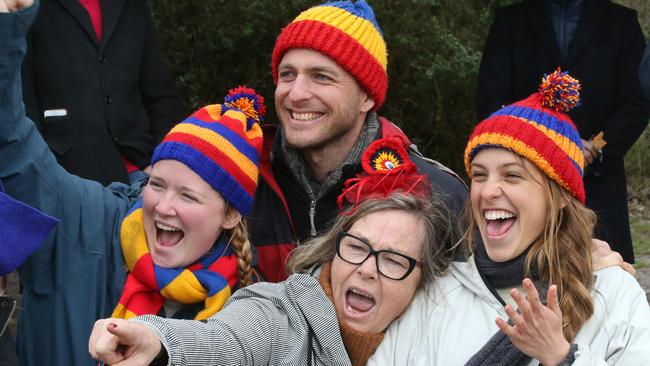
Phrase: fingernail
{"type": "Point", "coordinates": [112, 325]}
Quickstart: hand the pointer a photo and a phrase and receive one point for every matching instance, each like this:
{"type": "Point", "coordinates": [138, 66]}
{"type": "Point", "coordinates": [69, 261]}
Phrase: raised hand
{"type": "Point", "coordinates": [537, 329]}
{"type": "Point", "coordinates": [122, 343]}
{"type": "Point", "coordinates": [7, 6]}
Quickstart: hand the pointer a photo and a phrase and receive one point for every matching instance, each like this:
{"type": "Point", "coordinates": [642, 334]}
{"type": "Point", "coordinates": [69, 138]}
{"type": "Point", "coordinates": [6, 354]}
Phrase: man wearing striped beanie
{"type": "Point", "coordinates": [330, 69]}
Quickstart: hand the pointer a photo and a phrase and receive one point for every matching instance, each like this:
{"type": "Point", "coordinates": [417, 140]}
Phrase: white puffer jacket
{"type": "Point", "coordinates": [453, 322]}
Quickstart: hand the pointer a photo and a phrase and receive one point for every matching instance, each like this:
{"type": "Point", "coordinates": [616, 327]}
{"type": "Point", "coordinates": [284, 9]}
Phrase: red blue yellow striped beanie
{"type": "Point", "coordinates": [538, 129]}
{"type": "Point", "coordinates": [348, 33]}
{"type": "Point", "coordinates": [222, 144]}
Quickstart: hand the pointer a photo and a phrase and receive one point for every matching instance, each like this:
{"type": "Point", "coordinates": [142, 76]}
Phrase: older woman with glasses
{"type": "Point", "coordinates": [347, 286]}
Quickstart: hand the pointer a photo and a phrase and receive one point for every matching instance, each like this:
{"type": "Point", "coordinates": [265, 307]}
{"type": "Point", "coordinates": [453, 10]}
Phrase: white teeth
{"type": "Point", "coordinates": [166, 228]}
{"type": "Point", "coordinates": [498, 215]}
{"type": "Point", "coordinates": [361, 293]}
{"type": "Point", "coordinates": [351, 310]}
{"type": "Point", "coordinates": [309, 116]}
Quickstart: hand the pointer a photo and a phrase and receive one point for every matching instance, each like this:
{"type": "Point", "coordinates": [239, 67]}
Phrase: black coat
{"type": "Point", "coordinates": [604, 56]}
{"type": "Point", "coordinates": [119, 96]}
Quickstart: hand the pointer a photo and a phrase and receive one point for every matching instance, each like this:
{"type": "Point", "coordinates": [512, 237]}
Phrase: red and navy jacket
{"type": "Point", "coordinates": [280, 217]}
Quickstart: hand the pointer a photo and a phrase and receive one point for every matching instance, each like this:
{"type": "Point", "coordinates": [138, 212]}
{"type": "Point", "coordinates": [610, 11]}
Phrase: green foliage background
{"type": "Point", "coordinates": [434, 53]}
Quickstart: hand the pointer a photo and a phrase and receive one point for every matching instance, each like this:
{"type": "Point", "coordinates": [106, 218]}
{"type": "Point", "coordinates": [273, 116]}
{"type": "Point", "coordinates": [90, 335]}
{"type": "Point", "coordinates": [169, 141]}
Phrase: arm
{"type": "Point", "coordinates": [625, 126]}
{"type": "Point", "coordinates": [644, 72]}
{"type": "Point", "coordinates": [494, 86]}
{"type": "Point", "coordinates": [159, 95]}
{"type": "Point", "coordinates": [29, 85]}
{"type": "Point", "coordinates": [619, 331]}
{"type": "Point", "coordinates": [30, 173]}
{"type": "Point", "coordinates": [243, 333]}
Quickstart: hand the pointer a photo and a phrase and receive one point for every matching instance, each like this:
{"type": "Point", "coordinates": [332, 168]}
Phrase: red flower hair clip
{"type": "Point", "coordinates": [386, 169]}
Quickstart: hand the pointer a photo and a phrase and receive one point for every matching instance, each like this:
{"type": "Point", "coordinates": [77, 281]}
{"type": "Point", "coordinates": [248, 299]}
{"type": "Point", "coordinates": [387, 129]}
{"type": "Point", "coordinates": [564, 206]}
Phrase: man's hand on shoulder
{"type": "Point", "coordinates": [9, 6]}
{"type": "Point", "coordinates": [602, 256]}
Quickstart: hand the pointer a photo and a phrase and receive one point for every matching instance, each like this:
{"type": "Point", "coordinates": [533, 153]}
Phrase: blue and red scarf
{"type": "Point", "coordinates": [209, 280]}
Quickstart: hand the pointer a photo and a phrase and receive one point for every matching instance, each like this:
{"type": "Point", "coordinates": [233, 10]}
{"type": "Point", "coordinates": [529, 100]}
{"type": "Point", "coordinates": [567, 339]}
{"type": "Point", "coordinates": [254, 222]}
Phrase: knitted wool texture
{"type": "Point", "coordinates": [222, 144]}
{"type": "Point", "coordinates": [537, 129]}
{"type": "Point", "coordinates": [147, 285]}
{"type": "Point", "coordinates": [346, 32]}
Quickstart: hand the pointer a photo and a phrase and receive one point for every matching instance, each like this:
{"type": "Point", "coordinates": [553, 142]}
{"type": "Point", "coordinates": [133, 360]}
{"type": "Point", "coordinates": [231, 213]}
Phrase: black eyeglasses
{"type": "Point", "coordinates": [390, 264]}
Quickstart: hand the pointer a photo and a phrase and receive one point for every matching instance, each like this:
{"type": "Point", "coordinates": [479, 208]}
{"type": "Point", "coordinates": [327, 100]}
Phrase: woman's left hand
{"type": "Point", "coordinates": [537, 329]}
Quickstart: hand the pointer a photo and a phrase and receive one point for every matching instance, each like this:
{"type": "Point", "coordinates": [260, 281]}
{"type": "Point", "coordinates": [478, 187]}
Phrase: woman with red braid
{"type": "Point", "coordinates": [176, 246]}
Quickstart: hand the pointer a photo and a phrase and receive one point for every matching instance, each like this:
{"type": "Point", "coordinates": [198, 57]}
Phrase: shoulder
{"type": "Point", "coordinates": [288, 291]}
{"type": "Point", "coordinates": [438, 172]}
{"type": "Point", "coordinates": [613, 9]}
{"type": "Point", "coordinates": [617, 289]}
{"type": "Point", "coordinates": [511, 11]}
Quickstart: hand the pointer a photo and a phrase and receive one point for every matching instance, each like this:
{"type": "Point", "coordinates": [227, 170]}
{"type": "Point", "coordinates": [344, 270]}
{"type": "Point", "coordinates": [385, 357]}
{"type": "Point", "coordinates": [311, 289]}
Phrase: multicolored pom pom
{"type": "Point", "coordinates": [560, 91]}
{"type": "Point", "coordinates": [249, 102]}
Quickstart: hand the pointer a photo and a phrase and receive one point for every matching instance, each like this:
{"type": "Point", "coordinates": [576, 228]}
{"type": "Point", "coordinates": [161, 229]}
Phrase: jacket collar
{"type": "Point", "coordinates": [270, 133]}
{"type": "Point", "coordinates": [110, 14]}
{"type": "Point", "coordinates": [537, 13]}
{"type": "Point", "coordinates": [592, 13]}
{"type": "Point", "coordinates": [111, 11]}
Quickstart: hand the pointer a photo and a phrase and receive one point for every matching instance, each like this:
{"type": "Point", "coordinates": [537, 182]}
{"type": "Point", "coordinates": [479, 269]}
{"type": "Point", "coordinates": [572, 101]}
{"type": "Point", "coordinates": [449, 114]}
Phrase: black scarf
{"type": "Point", "coordinates": [499, 350]}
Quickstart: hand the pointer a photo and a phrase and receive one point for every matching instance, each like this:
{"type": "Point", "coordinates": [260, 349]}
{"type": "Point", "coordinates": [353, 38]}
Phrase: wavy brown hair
{"type": "Point", "coordinates": [441, 233]}
{"type": "Point", "coordinates": [562, 254]}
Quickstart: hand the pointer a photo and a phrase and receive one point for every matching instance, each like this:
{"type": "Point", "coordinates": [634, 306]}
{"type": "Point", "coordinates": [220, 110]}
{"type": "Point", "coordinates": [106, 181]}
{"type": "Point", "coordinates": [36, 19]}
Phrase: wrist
{"type": "Point", "coordinates": [162, 359]}
{"type": "Point", "coordinates": [565, 357]}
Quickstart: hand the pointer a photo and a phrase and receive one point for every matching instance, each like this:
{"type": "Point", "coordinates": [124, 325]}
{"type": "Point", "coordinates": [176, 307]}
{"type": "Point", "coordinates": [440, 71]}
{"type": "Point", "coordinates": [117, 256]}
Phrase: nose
{"type": "Point", "coordinates": [491, 189]}
{"type": "Point", "coordinates": [300, 89]}
{"type": "Point", "coordinates": [165, 205]}
{"type": "Point", "coordinates": [368, 268]}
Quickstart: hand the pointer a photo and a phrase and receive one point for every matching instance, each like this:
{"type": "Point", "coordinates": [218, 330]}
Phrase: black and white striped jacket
{"type": "Point", "coordinates": [287, 323]}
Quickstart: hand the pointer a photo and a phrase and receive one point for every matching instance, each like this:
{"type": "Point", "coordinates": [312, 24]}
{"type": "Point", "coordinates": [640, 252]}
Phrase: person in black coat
{"type": "Point", "coordinates": [96, 85]}
{"type": "Point", "coordinates": [601, 44]}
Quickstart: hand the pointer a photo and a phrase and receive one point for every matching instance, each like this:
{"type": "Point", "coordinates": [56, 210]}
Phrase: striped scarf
{"type": "Point", "coordinates": [148, 285]}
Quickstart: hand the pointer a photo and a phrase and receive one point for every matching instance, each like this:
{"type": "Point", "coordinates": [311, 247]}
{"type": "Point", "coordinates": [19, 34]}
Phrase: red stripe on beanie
{"type": "Point", "coordinates": [217, 156]}
{"type": "Point", "coordinates": [538, 142]}
{"type": "Point", "coordinates": [339, 46]}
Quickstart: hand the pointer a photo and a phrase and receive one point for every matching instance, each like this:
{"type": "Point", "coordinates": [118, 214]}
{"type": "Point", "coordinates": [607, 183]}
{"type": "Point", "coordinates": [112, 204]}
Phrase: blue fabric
{"type": "Point", "coordinates": [361, 9]}
{"type": "Point", "coordinates": [23, 230]}
{"type": "Point", "coordinates": [77, 275]}
{"type": "Point", "coordinates": [565, 16]}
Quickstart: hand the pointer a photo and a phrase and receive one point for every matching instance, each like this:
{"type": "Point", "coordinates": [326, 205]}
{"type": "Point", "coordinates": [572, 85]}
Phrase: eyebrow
{"type": "Point", "coordinates": [182, 189]}
{"type": "Point", "coordinates": [390, 247]}
{"type": "Point", "coordinates": [506, 165]}
{"type": "Point", "coordinates": [312, 69]}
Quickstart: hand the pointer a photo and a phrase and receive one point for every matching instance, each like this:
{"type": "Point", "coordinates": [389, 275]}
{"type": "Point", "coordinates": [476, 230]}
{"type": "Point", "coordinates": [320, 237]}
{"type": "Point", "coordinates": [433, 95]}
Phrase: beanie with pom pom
{"type": "Point", "coordinates": [222, 144]}
{"type": "Point", "coordinates": [538, 129]}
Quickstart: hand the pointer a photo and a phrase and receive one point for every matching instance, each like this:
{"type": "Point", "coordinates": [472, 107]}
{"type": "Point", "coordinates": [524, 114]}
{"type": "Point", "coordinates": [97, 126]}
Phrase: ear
{"type": "Point", "coordinates": [563, 202]}
{"type": "Point", "coordinates": [366, 103]}
{"type": "Point", "coordinates": [233, 217]}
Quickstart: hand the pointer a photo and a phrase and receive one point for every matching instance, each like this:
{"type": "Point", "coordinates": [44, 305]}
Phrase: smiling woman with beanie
{"type": "Point", "coordinates": [175, 247]}
{"type": "Point", "coordinates": [528, 294]}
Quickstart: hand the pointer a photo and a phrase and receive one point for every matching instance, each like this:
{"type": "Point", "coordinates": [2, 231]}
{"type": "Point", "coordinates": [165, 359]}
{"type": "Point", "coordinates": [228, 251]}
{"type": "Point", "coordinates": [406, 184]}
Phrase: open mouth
{"type": "Point", "coordinates": [498, 222]}
{"type": "Point", "coordinates": [306, 116]}
{"type": "Point", "coordinates": [168, 236]}
{"type": "Point", "coordinates": [357, 302]}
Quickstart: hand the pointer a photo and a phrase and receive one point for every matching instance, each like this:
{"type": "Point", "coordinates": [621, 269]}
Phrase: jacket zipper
{"type": "Point", "coordinates": [312, 215]}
